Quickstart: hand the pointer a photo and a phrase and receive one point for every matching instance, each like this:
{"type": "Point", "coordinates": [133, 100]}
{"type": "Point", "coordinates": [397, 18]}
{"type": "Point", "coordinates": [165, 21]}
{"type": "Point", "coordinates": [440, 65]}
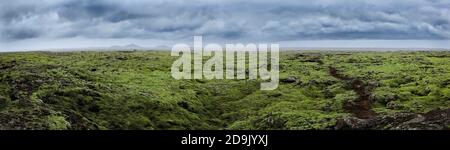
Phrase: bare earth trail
{"type": "Point", "coordinates": [361, 107]}
{"type": "Point", "coordinates": [366, 118]}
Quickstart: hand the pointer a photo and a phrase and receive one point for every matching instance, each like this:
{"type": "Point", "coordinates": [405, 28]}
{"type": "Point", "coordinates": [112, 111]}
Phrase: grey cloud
{"type": "Point", "coordinates": [225, 20]}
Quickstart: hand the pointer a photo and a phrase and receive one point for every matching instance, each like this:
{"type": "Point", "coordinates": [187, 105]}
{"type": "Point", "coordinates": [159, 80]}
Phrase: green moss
{"type": "Point", "coordinates": [135, 90]}
{"type": "Point", "coordinates": [57, 123]}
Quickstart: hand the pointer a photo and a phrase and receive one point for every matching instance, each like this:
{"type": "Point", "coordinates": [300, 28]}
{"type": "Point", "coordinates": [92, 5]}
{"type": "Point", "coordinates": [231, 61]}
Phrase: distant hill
{"type": "Point", "coordinates": [127, 47]}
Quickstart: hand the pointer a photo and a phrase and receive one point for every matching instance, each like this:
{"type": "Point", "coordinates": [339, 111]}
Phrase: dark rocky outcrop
{"type": "Point", "coordinates": [290, 79]}
{"type": "Point", "coordinates": [437, 119]}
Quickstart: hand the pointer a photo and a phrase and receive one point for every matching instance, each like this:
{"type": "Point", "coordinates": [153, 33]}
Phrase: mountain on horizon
{"type": "Point", "coordinates": [125, 47]}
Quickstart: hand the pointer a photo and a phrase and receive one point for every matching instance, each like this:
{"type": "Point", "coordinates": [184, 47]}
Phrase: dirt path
{"type": "Point", "coordinates": [361, 107]}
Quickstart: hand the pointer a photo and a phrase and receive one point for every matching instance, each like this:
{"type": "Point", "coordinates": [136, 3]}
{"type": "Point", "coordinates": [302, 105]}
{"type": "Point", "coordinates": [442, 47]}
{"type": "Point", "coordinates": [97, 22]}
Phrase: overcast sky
{"type": "Point", "coordinates": [88, 23]}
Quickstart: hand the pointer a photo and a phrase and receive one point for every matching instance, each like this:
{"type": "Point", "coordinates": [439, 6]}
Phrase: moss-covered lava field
{"type": "Point", "coordinates": [135, 90]}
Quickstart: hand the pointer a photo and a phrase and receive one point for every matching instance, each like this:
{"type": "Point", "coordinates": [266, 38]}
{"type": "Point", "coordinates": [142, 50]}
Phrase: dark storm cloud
{"type": "Point", "coordinates": [225, 20]}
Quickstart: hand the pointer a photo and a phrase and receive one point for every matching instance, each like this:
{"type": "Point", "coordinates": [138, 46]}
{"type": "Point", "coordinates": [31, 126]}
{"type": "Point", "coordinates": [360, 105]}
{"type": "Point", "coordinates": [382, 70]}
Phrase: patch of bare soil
{"type": "Point", "coordinates": [361, 107]}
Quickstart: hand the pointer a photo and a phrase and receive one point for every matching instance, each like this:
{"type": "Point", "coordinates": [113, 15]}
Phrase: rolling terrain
{"type": "Point", "coordinates": [134, 90]}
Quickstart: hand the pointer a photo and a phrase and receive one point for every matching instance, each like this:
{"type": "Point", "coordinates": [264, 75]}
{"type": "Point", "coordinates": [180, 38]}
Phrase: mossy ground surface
{"type": "Point", "coordinates": [135, 90]}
